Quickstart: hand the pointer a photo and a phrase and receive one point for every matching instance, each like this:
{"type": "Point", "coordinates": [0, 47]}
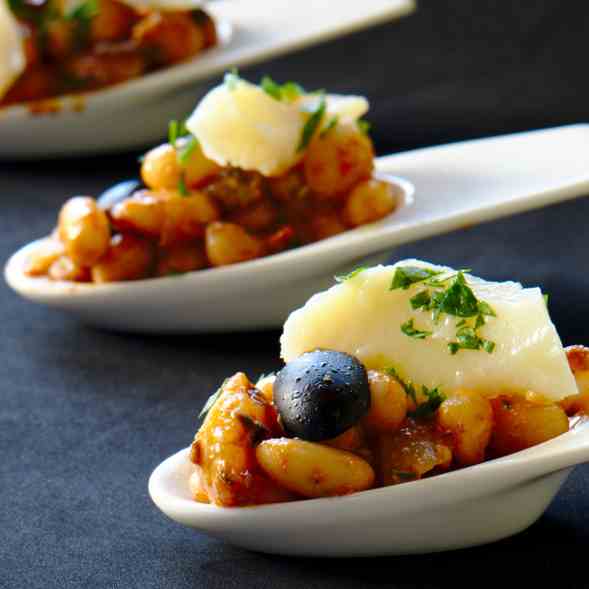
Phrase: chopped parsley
{"type": "Point", "coordinates": [407, 386]}
{"type": "Point", "coordinates": [82, 16]}
{"type": "Point", "coordinates": [422, 410]}
{"type": "Point", "coordinates": [450, 295]}
{"type": "Point", "coordinates": [212, 400]}
{"type": "Point", "coordinates": [288, 91]}
{"type": "Point", "coordinates": [364, 126]}
{"type": "Point", "coordinates": [468, 339]}
{"type": "Point", "coordinates": [545, 297]}
{"type": "Point", "coordinates": [187, 150]}
{"type": "Point", "coordinates": [349, 275]}
{"type": "Point", "coordinates": [173, 132]}
{"type": "Point", "coordinates": [405, 276]}
{"type": "Point", "coordinates": [182, 189]}
{"type": "Point", "coordinates": [421, 299]}
{"type": "Point", "coordinates": [428, 408]}
{"type": "Point", "coordinates": [330, 125]}
{"type": "Point", "coordinates": [177, 130]}
{"type": "Point", "coordinates": [312, 124]}
{"type": "Point", "coordinates": [84, 12]}
{"type": "Point", "coordinates": [409, 329]}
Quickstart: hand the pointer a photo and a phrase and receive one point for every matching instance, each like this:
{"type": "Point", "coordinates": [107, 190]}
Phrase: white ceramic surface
{"type": "Point", "coordinates": [136, 113]}
{"type": "Point", "coordinates": [463, 508]}
{"type": "Point", "coordinates": [456, 185]}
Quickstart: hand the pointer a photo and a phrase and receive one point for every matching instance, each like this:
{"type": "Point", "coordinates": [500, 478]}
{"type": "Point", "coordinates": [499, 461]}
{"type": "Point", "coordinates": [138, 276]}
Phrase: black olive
{"type": "Point", "coordinates": [117, 193]}
{"type": "Point", "coordinates": [321, 394]}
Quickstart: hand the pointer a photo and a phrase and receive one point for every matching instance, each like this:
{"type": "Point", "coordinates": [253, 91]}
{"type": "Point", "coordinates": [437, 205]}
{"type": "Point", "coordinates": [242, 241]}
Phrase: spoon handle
{"type": "Point", "coordinates": [470, 182]}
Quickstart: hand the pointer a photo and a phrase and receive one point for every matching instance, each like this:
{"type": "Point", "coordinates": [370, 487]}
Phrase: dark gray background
{"type": "Point", "coordinates": [85, 415]}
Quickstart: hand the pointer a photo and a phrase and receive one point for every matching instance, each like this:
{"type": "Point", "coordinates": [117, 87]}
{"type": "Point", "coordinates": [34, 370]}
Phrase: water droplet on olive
{"type": "Point", "coordinates": [330, 403]}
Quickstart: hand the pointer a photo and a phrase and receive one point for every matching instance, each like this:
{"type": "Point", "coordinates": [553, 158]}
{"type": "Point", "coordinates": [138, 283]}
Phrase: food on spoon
{"type": "Point", "coordinates": [425, 318]}
{"type": "Point", "coordinates": [321, 394]}
{"type": "Point", "coordinates": [395, 374]}
{"type": "Point", "coordinates": [50, 47]}
{"type": "Point", "coordinates": [256, 170]}
{"type": "Point", "coordinates": [12, 49]}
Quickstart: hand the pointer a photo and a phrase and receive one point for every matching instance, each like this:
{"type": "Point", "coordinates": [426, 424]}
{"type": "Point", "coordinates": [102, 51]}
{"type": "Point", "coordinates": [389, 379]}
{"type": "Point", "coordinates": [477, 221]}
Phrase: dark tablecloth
{"type": "Point", "coordinates": [85, 415]}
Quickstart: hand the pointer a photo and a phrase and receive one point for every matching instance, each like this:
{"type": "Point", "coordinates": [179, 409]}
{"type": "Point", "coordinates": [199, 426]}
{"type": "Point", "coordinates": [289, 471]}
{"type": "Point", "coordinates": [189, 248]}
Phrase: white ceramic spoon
{"type": "Point", "coordinates": [456, 185]}
{"type": "Point", "coordinates": [463, 508]}
{"type": "Point", "coordinates": [136, 113]}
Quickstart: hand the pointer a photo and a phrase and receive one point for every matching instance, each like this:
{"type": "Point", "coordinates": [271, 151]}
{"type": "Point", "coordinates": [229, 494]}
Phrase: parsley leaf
{"type": "Point", "coordinates": [450, 295]}
{"type": "Point", "coordinates": [349, 275]}
{"type": "Point", "coordinates": [421, 299]}
{"type": "Point", "coordinates": [187, 150]}
{"type": "Point", "coordinates": [486, 309]}
{"type": "Point", "coordinates": [330, 125]}
{"type": "Point", "coordinates": [468, 339]}
{"type": "Point", "coordinates": [427, 409]}
{"type": "Point", "coordinates": [182, 186]}
{"type": "Point", "coordinates": [407, 386]}
{"type": "Point", "coordinates": [269, 86]}
{"type": "Point", "coordinates": [405, 276]}
{"type": "Point", "coordinates": [458, 299]}
{"type": "Point", "coordinates": [364, 126]}
{"type": "Point", "coordinates": [84, 12]}
{"type": "Point", "coordinates": [408, 329]}
{"type": "Point", "coordinates": [312, 124]}
{"type": "Point", "coordinates": [82, 16]}
{"type": "Point", "coordinates": [288, 91]}
{"type": "Point", "coordinates": [173, 132]}
{"type": "Point", "coordinates": [212, 400]}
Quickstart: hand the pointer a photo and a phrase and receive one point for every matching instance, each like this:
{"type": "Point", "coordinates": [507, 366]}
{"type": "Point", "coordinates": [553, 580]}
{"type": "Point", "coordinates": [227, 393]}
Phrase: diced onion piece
{"type": "Point", "coordinates": [363, 317]}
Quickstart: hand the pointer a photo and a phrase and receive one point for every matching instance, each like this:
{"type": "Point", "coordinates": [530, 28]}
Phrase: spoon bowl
{"type": "Point", "coordinates": [467, 507]}
{"type": "Point", "coordinates": [455, 186]}
{"type": "Point", "coordinates": [135, 113]}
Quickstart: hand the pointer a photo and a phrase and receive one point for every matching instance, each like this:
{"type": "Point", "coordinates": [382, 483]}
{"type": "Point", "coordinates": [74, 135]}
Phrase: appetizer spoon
{"type": "Point", "coordinates": [467, 507]}
{"type": "Point", "coordinates": [455, 185]}
{"type": "Point", "coordinates": [135, 113]}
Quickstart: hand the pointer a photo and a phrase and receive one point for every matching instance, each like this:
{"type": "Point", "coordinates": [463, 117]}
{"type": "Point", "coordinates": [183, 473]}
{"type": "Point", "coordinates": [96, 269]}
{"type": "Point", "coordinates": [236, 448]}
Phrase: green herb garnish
{"type": "Point", "coordinates": [545, 297]}
{"type": "Point", "coordinates": [173, 132]}
{"type": "Point", "coordinates": [468, 339]}
{"type": "Point", "coordinates": [349, 275]}
{"type": "Point", "coordinates": [212, 400]}
{"type": "Point", "coordinates": [421, 299]}
{"type": "Point", "coordinates": [182, 186]}
{"type": "Point", "coordinates": [186, 150]}
{"type": "Point", "coordinates": [409, 329]}
{"type": "Point", "coordinates": [364, 126]}
{"type": "Point", "coordinates": [82, 16]}
{"type": "Point", "coordinates": [450, 295]}
{"type": "Point", "coordinates": [288, 91]}
{"type": "Point", "coordinates": [312, 124]}
{"type": "Point", "coordinates": [84, 12]}
{"type": "Point", "coordinates": [330, 125]}
{"type": "Point", "coordinates": [428, 408]}
{"type": "Point", "coordinates": [407, 386]}
{"type": "Point", "coordinates": [405, 276]}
